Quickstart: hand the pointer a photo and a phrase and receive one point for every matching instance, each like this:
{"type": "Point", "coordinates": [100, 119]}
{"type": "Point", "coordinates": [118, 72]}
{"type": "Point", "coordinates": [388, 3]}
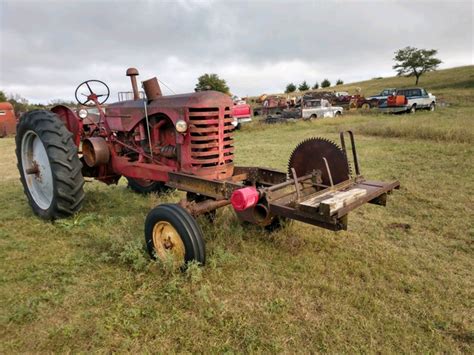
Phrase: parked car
{"type": "Point", "coordinates": [409, 100]}
{"type": "Point", "coordinates": [319, 108]}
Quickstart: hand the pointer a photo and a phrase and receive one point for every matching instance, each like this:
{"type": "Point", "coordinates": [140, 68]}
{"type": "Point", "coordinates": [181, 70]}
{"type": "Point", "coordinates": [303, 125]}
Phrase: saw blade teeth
{"type": "Point", "coordinates": [307, 156]}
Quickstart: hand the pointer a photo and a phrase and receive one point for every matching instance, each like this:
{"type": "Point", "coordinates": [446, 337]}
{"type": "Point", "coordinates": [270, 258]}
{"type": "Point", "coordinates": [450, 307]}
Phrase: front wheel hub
{"type": "Point", "coordinates": [167, 241]}
{"type": "Point", "coordinates": [37, 170]}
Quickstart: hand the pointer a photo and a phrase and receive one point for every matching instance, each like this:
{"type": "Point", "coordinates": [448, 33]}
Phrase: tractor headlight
{"type": "Point", "coordinates": [181, 126]}
{"type": "Point", "coordinates": [83, 113]}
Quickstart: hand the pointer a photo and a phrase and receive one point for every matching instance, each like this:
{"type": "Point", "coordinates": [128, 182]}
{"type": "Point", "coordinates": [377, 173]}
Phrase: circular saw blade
{"type": "Point", "coordinates": [308, 156]}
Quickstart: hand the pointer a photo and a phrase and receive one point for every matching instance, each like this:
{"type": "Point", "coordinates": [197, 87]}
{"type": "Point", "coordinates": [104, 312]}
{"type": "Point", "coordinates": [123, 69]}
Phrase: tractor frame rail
{"type": "Point", "coordinates": [300, 198]}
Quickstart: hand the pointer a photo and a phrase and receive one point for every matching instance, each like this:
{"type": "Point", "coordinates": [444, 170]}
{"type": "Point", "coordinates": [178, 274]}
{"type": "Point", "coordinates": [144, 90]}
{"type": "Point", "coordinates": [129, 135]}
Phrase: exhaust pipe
{"type": "Point", "coordinates": [132, 73]}
{"type": "Point", "coordinates": [152, 88]}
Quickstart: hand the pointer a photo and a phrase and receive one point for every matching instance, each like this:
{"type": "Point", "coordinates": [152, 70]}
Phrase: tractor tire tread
{"type": "Point", "coordinates": [66, 168]}
{"type": "Point", "coordinates": [194, 226]}
{"type": "Point", "coordinates": [188, 226]}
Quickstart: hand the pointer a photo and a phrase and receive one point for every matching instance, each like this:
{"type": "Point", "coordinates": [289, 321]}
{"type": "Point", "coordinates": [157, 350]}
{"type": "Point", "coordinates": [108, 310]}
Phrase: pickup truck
{"type": "Point", "coordinates": [380, 99]}
{"type": "Point", "coordinates": [242, 113]}
{"type": "Point", "coordinates": [319, 108]}
{"type": "Point", "coordinates": [383, 94]}
{"type": "Point", "coordinates": [409, 100]}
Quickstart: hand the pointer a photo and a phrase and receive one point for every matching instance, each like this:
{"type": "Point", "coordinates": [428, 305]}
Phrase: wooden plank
{"type": "Point", "coordinates": [372, 193]}
{"type": "Point", "coordinates": [341, 199]}
{"type": "Point", "coordinates": [316, 200]}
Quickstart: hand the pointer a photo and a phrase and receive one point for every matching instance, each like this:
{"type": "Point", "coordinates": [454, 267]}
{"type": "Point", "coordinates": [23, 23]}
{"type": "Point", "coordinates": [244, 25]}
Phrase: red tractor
{"type": "Point", "coordinates": [183, 142]}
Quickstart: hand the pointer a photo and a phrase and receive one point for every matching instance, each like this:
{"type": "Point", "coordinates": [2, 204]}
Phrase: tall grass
{"type": "Point", "coordinates": [445, 125]}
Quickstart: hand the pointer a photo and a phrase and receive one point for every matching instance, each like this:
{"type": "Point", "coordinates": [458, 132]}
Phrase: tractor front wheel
{"type": "Point", "coordinates": [50, 169]}
{"type": "Point", "coordinates": [171, 232]}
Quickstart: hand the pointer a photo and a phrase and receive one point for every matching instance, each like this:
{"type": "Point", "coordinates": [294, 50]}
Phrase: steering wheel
{"type": "Point", "coordinates": [88, 90]}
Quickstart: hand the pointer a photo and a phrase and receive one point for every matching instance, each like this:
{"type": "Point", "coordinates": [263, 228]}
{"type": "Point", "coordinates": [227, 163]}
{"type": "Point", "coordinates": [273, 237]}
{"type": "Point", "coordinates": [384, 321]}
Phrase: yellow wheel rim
{"type": "Point", "coordinates": [167, 242]}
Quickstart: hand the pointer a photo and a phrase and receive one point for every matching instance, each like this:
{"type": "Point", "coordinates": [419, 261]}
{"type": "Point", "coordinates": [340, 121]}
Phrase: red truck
{"type": "Point", "coordinates": [242, 113]}
{"type": "Point", "coordinates": [7, 119]}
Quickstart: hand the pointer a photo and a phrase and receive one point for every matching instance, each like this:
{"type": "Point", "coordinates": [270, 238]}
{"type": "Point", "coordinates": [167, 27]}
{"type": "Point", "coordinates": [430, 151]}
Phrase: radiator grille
{"type": "Point", "coordinates": [211, 136]}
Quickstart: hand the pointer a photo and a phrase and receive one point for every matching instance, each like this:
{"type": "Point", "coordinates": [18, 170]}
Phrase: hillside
{"type": "Point", "coordinates": [447, 84]}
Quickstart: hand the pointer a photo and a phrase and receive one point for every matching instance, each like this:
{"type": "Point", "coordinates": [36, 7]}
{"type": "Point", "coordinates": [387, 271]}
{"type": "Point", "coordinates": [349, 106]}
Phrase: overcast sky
{"type": "Point", "coordinates": [48, 47]}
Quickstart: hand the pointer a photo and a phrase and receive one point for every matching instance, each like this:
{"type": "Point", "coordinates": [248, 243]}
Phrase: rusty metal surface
{"type": "Point", "coordinates": [196, 208]}
{"type": "Point", "coordinates": [308, 156]}
{"type": "Point", "coordinates": [95, 151]}
{"type": "Point", "coordinates": [374, 189]}
{"type": "Point", "coordinates": [262, 176]}
{"type": "Point", "coordinates": [133, 73]}
{"type": "Point", "coordinates": [217, 189]}
{"type": "Point", "coordinates": [152, 88]}
{"type": "Point", "coordinates": [71, 120]}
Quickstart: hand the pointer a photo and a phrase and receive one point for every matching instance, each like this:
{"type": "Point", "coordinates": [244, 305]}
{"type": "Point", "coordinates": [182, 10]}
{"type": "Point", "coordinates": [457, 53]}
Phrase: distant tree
{"type": "Point", "coordinates": [411, 61]}
{"type": "Point", "coordinates": [315, 86]}
{"type": "Point", "coordinates": [19, 103]}
{"type": "Point", "coordinates": [56, 102]}
{"type": "Point", "coordinates": [303, 86]}
{"type": "Point", "coordinates": [211, 82]}
{"type": "Point", "coordinates": [339, 82]}
{"type": "Point", "coordinates": [325, 83]}
{"type": "Point", "coordinates": [290, 88]}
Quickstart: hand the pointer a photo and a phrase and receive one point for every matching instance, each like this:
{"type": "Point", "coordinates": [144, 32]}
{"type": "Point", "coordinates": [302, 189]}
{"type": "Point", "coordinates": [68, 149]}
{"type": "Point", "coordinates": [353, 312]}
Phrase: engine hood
{"type": "Point", "coordinates": [195, 99]}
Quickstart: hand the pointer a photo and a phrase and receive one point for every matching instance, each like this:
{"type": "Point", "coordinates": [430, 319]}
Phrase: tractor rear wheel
{"type": "Point", "coordinates": [50, 169]}
{"type": "Point", "coordinates": [170, 231]}
{"type": "Point", "coordinates": [143, 186]}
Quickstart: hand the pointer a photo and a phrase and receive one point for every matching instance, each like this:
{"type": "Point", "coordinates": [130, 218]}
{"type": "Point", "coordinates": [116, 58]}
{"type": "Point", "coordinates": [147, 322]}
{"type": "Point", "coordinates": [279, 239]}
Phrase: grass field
{"type": "Point", "coordinates": [399, 280]}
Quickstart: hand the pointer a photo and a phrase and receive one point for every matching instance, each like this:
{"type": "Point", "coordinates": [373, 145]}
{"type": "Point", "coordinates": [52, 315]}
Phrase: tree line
{"type": "Point", "coordinates": [305, 87]}
{"type": "Point", "coordinates": [20, 104]}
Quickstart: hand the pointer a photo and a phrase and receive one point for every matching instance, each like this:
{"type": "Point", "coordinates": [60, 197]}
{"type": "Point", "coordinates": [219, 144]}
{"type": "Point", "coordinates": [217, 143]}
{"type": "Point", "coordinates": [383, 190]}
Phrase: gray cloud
{"type": "Point", "coordinates": [47, 47]}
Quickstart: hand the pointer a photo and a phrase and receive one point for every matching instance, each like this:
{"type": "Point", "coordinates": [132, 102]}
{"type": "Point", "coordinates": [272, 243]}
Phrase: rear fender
{"type": "Point", "coordinates": [71, 120]}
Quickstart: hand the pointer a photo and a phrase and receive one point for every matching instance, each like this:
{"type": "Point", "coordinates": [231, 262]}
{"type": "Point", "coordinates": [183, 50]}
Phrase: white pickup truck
{"type": "Point", "coordinates": [409, 100]}
{"type": "Point", "coordinates": [319, 108]}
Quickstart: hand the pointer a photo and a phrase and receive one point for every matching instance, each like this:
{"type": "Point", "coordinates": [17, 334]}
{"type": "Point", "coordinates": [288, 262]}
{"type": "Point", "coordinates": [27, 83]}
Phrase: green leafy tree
{"type": "Point", "coordinates": [211, 82]}
{"type": "Point", "coordinates": [325, 83]}
{"type": "Point", "coordinates": [19, 103]}
{"type": "Point", "coordinates": [3, 97]}
{"type": "Point", "coordinates": [410, 61]}
{"type": "Point", "coordinates": [339, 82]}
{"type": "Point", "coordinates": [315, 86]}
{"type": "Point", "coordinates": [290, 88]}
{"type": "Point", "coordinates": [303, 86]}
